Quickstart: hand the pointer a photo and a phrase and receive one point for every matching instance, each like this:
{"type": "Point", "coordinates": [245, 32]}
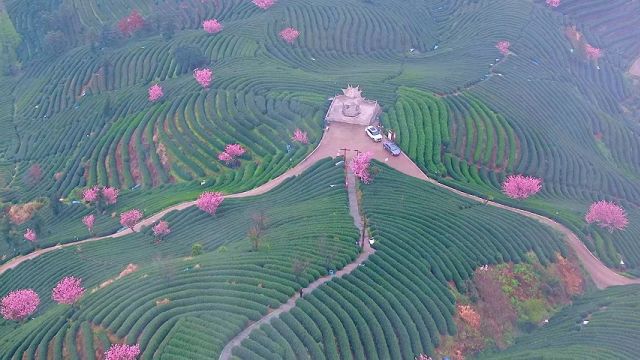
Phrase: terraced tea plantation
{"type": "Point", "coordinates": [174, 304]}
{"type": "Point", "coordinates": [558, 103]}
{"type": "Point", "coordinates": [398, 304]}
{"type": "Point", "coordinates": [599, 326]}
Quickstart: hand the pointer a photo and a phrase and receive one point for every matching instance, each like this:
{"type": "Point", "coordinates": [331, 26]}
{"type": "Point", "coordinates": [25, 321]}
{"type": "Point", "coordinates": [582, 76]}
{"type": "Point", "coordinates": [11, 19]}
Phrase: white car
{"type": "Point", "coordinates": [373, 133]}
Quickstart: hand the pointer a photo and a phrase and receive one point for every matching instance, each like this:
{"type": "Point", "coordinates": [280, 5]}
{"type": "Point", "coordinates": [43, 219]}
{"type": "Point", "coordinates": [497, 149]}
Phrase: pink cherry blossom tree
{"type": "Point", "coordinates": [359, 165]}
{"type": "Point", "coordinates": [88, 221]}
{"type": "Point", "coordinates": [91, 194]}
{"type": "Point", "coordinates": [264, 4]}
{"type": "Point", "coordinates": [155, 93]}
{"type": "Point", "coordinates": [130, 24]}
{"type": "Point", "coordinates": [503, 47]}
{"type": "Point", "coordinates": [300, 136]}
{"type": "Point", "coordinates": [553, 3]}
{"type": "Point", "coordinates": [521, 187]}
{"type": "Point", "coordinates": [122, 352]}
{"type": "Point", "coordinates": [230, 153]}
{"type": "Point", "coordinates": [30, 235]}
{"type": "Point", "coordinates": [110, 195]}
{"type": "Point", "coordinates": [204, 76]}
{"type": "Point", "coordinates": [130, 218]}
{"type": "Point", "coordinates": [209, 201]}
{"type": "Point", "coordinates": [67, 291]}
{"type": "Point", "coordinates": [234, 150]}
{"type": "Point", "coordinates": [289, 34]}
{"type": "Point", "coordinates": [160, 230]}
{"type": "Point", "coordinates": [592, 53]}
{"type": "Point", "coordinates": [19, 304]}
{"type": "Point", "coordinates": [607, 215]}
{"type": "Point", "coordinates": [212, 26]}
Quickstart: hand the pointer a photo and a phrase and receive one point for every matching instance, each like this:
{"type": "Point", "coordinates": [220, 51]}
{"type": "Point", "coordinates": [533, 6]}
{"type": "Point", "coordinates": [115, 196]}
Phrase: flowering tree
{"type": "Point", "coordinates": [88, 222]}
{"type": "Point", "coordinates": [359, 165]}
{"type": "Point", "coordinates": [230, 153]}
{"type": "Point", "coordinates": [553, 3]}
{"type": "Point", "coordinates": [607, 215]}
{"type": "Point", "coordinates": [203, 77]}
{"type": "Point", "coordinates": [68, 291]}
{"type": "Point", "coordinates": [503, 47]}
{"type": "Point", "coordinates": [155, 93]}
{"type": "Point", "coordinates": [122, 352]}
{"type": "Point", "coordinates": [289, 34]}
{"type": "Point", "coordinates": [264, 4]}
{"type": "Point", "coordinates": [234, 150]}
{"type": "Point", "coordinates": [521, 187]}
{"type": "Point", "coordinates": [593, 53]}
{"type": "Point", "coordinates": [19, 304]}
{"type": "Point", "coordinates": [212, 26]}
{"type": "Point", "coordinates": [130, 218]}
{"type": "Point", "coordinates": [300, 136]}
{"type": "Point", "coordinates": [209, 201]}
{"type": "Point", "coordinates": [97, 194]}
{"type": "Point", "coordinates": [130, 24]}
{"type": "Point", "coordinates": [110, 195]}
{"type": "Point", "coordinates": [91, 194]}
{"type": "Point", "coordinates": [30, 235]}
{"type": "Point", "coordinates": [161, 229]}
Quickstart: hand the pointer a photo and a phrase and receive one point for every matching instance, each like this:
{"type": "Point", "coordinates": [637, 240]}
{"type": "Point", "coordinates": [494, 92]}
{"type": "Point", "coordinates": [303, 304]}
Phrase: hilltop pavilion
{"type": "Point", "coordinates": [352, 108]}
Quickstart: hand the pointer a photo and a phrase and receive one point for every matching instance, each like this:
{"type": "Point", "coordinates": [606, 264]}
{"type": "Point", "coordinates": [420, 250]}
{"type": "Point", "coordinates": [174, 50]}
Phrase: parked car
{"type": "Point", "coordinates": [373, 133]}
{"type": "Point", "coordinates": [392, 147]}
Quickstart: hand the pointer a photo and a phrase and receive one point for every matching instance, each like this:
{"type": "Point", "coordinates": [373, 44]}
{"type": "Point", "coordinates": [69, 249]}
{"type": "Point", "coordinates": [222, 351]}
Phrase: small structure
{"type": "Point", "coordinates": [352, 108]}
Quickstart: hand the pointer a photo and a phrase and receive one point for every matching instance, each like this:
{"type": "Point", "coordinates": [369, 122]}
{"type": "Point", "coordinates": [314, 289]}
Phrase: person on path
{"type": "Point", "coordinates": [300, 292]}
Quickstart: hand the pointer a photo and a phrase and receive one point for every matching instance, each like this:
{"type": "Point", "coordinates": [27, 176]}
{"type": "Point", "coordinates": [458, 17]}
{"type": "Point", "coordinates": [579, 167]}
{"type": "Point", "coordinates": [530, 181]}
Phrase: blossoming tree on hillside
{"type": "Point", "coordinates": [88, 221]}
{"type": "Point", "coordinates": [130, 24]}
{"type": "Point", "coordinates": [503, 47]}
{"type": "Point", "coordinates": [520, 186]}
{"type": "Point", "coordinates": [122, 352]}
{"type": "Point", "coordinates": [155, 93]}
{"type": "Point", "coordinates": [130, 218]}
{"type": "Point", "coordinates": [553, 3]}
{"type": "Point", "coordinates": [160, 230]}
{"type": "Point", "coordinates": [592, 53]}
{"type": "Point", "coordinates": [30, 235]}
{"type": "Point", "coordinates": [289, 34]}
{"type": "Point", "coordinates": [204, 77]}
{"type": "Point", "coordinates": [607, 215]}
{"type": "Point", "coordinates": [212, 26]}
{"type": "Point", "coordinates": [209, 202]}
{"type": "Point", "coordinates": [264, 4]}
{"type": "Point", "coordinates": [359, 165]}
{"type": "Point", "coordinates": [300, 136]}
{"type": "Point", "coordinates": [68, 291]}
{"type": "Point", "coordinates": [19, 304]}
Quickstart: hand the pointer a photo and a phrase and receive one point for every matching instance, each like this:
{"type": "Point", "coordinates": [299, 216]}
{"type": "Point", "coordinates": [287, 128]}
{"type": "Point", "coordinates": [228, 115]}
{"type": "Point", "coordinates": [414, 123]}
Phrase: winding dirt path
{"type": "Point", "coordinates": [367, 250]}
{"type": "Point", "coordinates": [340, 136]}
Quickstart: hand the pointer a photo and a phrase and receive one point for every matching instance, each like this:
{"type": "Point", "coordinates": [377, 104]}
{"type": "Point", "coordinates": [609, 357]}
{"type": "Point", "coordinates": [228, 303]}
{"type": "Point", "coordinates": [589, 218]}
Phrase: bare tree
{"type": "Point", "coordinates": [257, 229]}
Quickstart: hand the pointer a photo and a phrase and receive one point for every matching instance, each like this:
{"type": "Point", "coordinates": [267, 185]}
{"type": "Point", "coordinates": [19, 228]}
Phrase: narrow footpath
{"type": "Point", "coordinates": [367, 250]}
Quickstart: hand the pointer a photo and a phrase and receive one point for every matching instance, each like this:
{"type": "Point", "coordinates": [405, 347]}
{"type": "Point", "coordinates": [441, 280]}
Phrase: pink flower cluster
{"type": "Point", "coordinates": [503, 47]}
{"type": "Point", "coordinates": [209, 201]}
{"type": "Point", "coordinates": [359, 165]}
{"type": "Point", "coordinates": [155, 93]}
{"type": "Point", "coordinates": [300, 136]}
{"type": "Point", "coordinates": [231, 152]}
{"type": "Point", "coordinates": [593, 53]}
{"type": "Point", "coordinates": [19, 304]}
{"type": "Point", "coordinates": [161, 229]}
{"type": "Point", "coordinates": [607, 215]}
{"type": "Point", "coordinates": [553, 3]}
{"type": "Point", "coordinates": [130, 218]}
{"type": "Point", "coordinates": [264, 4]}
{"type": "Point", "coordinates": [212, 26]}
{"type": "Point", "coordinates": [289, 34]}
{"type": "Point", "coordinates": [30, 235]}
{"type": "Point", "coordinates": [93, 194]}
{"type": "Point", "coordinates": [130, 24]}
{"type": "Point", "coordinates": [67, 291]}
{"type": "Point", "coordinates": [521, 187]}
{"type": "Point", "coordinates": [204, 77]}
{"type": "Point", "coordinates": [122, 352]}
{"type": "Point", "coordinates": [88, 221]}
